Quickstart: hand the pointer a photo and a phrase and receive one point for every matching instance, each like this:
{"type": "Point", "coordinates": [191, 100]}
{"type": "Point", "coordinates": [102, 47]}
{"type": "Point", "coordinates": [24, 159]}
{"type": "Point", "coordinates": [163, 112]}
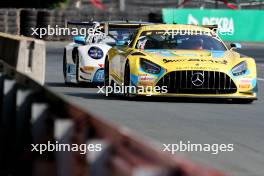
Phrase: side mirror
{"type": "Point", "coordinates": [79, 40]}
{"type": "Point", "coordinates": [235, 46]}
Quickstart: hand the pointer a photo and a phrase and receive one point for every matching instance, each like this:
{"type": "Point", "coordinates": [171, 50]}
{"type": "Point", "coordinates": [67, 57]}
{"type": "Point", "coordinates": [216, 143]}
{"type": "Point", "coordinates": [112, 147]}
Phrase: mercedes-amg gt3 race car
{"type": "Point", "coordinates": [181, 61]}
{"type": "Point", "coordinates": [83, 59]}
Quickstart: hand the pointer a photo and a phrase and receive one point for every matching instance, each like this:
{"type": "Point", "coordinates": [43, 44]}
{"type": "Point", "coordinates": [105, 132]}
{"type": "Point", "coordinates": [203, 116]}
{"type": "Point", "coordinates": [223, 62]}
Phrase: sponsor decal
{"type": "Point", "coordinates": [244, 86]}
{"type": "Point", "coordinates": [195, 68]}
{"type": "Point", "coordinates": [225, 24]}
{"type": "Point", "coordinates": [245, 81]}
{"type": "Point", "coordinates": [99, 76]}
{"type": "Point", "coordinates": [71, 69]}
{"type": "Point", "coordinates": [87, 68]}
{"type": "Point", "coordinates": [146, 84]}
{"type": "Point", "coordinates": [161, 52]}
{"type": "Point", "coordinates": [146, 78]}
{"type": "Point", "coordinates": [194, 60]}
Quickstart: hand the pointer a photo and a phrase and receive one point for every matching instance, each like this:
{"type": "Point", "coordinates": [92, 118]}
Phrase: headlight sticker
{"type": "Point", "coordinates": [245, 80]}
{"type": "Point", "coordinates": [240, 69]}
{"type": "Point", "coordinates": [245, 83]}
{"type": "Point", "coordinates": [146, 79]}
{"type": "Point", "coordinates": [149, 67]}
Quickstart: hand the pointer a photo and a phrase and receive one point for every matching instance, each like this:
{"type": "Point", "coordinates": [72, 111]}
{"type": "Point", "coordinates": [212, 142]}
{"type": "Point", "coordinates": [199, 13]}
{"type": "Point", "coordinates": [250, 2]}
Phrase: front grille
{"type": "Point", "coordinates": [185, 82]}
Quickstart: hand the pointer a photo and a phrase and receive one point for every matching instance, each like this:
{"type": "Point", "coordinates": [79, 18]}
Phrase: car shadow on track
{"type": "Point", "coordinates": [153, 99]}
{"type": "Point", "coordinates": [96, 96]}
{"type": "Point", "coordinates": [81, 85]}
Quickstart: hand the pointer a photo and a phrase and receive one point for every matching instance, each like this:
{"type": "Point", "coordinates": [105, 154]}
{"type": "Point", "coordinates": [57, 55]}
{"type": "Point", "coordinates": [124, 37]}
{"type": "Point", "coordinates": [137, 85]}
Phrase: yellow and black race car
{"type": "Point", "coordinates": [182, 61]}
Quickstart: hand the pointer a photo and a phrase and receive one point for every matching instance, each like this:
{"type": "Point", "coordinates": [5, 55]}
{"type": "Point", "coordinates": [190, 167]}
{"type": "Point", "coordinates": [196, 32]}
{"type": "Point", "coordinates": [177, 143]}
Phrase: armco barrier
{"type": "Point", "coordinates": [32, 114]}
{"type": "Point", "coordinates": [27, 55]}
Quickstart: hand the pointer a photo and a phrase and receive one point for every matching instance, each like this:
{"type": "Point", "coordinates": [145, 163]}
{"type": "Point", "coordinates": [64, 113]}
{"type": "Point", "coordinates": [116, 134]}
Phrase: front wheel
{"type": "Point", "coordinates": [107, 83]}
{"type": "Point", "coordinates": [127, 80]}
{"type": "Point", "coordinates": [64, 65]}
{"type": "Point", "coordinates": [77, 69]}
{"type": "Point", "coordinates": [106, 73]}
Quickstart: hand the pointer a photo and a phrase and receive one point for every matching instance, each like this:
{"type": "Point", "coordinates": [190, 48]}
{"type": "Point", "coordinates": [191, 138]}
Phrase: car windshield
{"type": "Point", "coordinates": [165, 40]}
{"type": "Point", "coordinates": [121, 35]}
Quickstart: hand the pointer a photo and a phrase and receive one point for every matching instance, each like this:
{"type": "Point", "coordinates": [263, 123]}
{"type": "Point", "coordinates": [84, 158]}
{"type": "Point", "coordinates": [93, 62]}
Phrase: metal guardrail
{"type": "Point", "coordinates": [32, 114]}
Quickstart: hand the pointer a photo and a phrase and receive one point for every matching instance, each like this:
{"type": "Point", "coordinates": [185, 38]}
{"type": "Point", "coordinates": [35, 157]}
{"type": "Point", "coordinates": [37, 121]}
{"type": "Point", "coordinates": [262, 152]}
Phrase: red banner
{"type": "Point", "coordinates": [98, 4]}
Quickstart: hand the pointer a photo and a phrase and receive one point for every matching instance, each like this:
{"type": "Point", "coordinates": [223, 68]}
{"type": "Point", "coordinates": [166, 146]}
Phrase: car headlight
{"type": "Point", "coordinates": [149, 67]}
{"type": "Point", "coordinates": [239, 69]}
{"type": "Point", "coordinates": [95, 52]}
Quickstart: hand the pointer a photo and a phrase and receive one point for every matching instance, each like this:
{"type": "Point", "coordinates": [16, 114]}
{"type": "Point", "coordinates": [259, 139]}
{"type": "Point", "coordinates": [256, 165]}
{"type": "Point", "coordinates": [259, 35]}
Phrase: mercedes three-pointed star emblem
{"type": "Point", "coordinates": [197, 79]}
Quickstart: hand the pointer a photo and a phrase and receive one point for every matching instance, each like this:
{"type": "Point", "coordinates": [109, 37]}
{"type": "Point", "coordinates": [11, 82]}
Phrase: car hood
{"type": "Point", "coordinates": [194, 59]}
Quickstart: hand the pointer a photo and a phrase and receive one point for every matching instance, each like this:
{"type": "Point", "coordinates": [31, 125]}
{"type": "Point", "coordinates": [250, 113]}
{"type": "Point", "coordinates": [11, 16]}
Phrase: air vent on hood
{"type": "Point", "coordinates": [137, 54]}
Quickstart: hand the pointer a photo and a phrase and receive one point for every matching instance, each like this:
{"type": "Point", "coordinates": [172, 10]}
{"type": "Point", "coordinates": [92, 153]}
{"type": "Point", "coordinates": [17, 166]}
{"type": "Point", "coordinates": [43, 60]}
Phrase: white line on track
{"type": "Point", "coordinates": [261, 79]}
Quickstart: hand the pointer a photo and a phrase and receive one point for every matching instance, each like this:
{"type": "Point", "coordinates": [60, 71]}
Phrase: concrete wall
{"type": "Point", "coordinates": [25, 54]}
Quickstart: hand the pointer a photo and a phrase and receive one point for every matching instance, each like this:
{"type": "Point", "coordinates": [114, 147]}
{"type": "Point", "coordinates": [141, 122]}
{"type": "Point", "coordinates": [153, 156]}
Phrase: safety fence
{"type": "Point", "coordinates": [32, 114]}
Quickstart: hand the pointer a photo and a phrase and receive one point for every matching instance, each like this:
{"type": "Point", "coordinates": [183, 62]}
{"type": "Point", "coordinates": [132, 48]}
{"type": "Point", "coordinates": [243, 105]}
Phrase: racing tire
{"type": "Point", "coordinates": [127, 80]}
{"type": "Point", "coordinates": [64, 65]}
{"type": "Point", "coordinates": [44, 19]}
{"type": "Point", "coordinates": [106, 73]}
{"type": "Point", "coordinates": [106, 78]}
{"type": "Point", "coordinates": [65, 68]}
{"type": "Point", "coordinates": [29, 18]}
{"type": "Point", "coordinates": [77, 61]}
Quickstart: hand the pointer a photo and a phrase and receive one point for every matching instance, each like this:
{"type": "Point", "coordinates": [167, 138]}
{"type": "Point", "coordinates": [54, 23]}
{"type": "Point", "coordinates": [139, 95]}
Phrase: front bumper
{"type": "Point", "coordinates": [252, 96]}
{"type": "Point", "coordinates": [215, 85]}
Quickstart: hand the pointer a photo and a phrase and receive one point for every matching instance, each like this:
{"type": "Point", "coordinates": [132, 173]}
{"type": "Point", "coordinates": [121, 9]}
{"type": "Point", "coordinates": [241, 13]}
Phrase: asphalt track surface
{"type": "Point", "coordinates": [170, 121]}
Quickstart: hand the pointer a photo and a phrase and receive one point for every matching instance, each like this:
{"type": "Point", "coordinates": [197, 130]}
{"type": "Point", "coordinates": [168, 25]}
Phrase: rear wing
{"type": "Point", "coordinates": [123, 25]}
{"type": "Point", "coordinates": [106, 25]}
{"type": "Point", "coordinates": [101, 29]}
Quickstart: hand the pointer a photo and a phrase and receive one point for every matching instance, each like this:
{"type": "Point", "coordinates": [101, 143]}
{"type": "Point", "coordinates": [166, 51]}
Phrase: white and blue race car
{"type": "Point", "coordinates": [83, 59]}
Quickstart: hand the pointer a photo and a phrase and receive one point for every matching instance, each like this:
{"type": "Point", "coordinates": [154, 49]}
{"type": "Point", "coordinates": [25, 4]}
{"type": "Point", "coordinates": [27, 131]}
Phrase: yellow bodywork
{"type": "Point", "coordinates": [182, 60]}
